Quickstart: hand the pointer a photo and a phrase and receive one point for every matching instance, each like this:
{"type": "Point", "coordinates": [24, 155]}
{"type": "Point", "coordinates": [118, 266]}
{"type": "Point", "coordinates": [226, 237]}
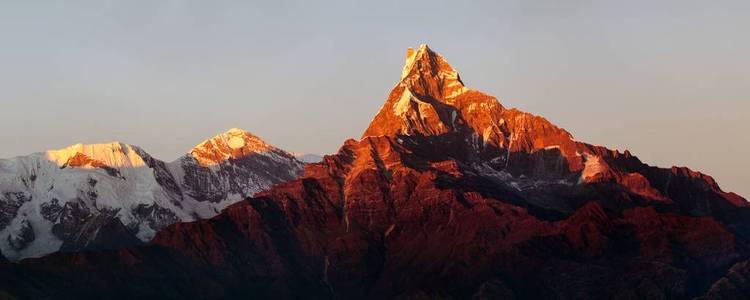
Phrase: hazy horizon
{"type": "Point", "coordinates": [668, 81]}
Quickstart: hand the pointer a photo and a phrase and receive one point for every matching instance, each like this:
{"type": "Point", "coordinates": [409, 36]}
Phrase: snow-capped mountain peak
{"type": "Point", "coordinates": [235, 143]}
{"type": "Point", "coordinates": [114, 154]}
{"type": "Point", "coordinates": [101, 196]}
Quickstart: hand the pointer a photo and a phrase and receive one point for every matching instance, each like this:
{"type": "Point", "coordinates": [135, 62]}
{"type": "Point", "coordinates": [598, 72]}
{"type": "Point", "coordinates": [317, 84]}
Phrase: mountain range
{"type": "Point", "coordinates": [447, 194]}
{"type": "Point", "coordinates": [107, 196]}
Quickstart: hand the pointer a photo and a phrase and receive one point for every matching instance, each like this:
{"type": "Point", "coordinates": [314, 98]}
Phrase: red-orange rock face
{"type": "Point", "coordinates": [447, 194]}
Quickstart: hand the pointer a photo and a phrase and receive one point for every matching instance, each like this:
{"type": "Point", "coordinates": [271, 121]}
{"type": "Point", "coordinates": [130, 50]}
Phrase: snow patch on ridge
{"type": "Point", "coordinates": [402, 106]}
{"type": "Point", "coordinates": [410, 57]}
{"type": "Point", "coordinates": [593, 166]}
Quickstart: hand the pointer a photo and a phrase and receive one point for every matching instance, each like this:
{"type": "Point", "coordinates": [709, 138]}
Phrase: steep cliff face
{"type": "Point", "coordinates": [447, 195]}
{"type": "Point", "coordinates": [106, 196]}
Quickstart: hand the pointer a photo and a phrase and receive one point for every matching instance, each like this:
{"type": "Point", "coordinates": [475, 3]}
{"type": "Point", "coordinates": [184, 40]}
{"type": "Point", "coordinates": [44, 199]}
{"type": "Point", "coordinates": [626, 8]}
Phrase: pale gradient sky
{"type": "Point", "coordinates": [668, 80]}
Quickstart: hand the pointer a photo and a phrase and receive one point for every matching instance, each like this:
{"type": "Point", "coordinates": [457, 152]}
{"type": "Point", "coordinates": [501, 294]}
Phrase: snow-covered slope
{"type": "Point", "coordinates": [64, 199]}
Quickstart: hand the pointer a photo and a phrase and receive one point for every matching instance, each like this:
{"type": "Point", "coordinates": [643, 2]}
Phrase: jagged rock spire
{"type": "Point", "coordinates": [431, 99]}
{"type": "Point", "coordinates": [427, 73]}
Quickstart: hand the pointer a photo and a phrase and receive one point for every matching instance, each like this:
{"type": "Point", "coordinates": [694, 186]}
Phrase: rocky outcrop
{"type": "Point", "coordinates": [10, 203]}
{"type": "Point", "coordinates": [100, 232]}
{"type": "Point", "coordinates": [21, 236]}
{"type": "Point", "coordinates": [734, 285]}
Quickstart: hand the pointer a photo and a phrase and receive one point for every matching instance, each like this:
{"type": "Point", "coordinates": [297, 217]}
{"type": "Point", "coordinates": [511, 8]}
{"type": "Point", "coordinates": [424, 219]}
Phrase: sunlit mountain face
{"type": "Point", "coordinates": [447, 194]}
{"type": "Point", "coordinates": [113, 195]}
